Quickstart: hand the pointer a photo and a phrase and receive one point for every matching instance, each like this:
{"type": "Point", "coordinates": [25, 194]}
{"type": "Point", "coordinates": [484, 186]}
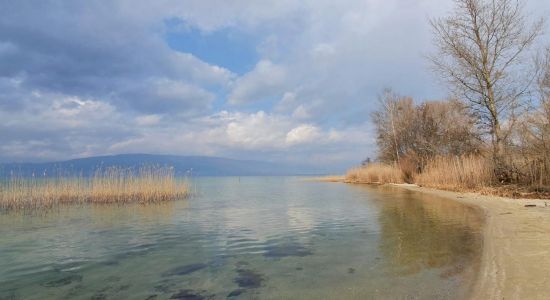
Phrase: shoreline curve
{"type": "Point", "coordinates": [515, 259]}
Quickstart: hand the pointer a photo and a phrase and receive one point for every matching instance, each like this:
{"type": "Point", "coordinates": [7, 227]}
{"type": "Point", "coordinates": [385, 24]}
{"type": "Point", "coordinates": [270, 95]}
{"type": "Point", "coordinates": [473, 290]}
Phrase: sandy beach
{"type": "Point", "coordinates": [516, 254]}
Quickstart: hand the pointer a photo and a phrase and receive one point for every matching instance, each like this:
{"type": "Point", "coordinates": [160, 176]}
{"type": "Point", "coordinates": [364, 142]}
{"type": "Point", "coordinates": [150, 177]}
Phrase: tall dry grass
{"type": "Point", "coordinates": [459, 173]}
{"type": "Point", "coordinates": [112, 185]}
{"type": "Point", "coordinates": [375, 173]}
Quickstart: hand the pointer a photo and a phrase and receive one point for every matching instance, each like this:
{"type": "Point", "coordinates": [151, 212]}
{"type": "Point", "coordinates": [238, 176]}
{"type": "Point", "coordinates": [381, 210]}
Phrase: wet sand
{"type": "Point", "coordinates": [515, 261]}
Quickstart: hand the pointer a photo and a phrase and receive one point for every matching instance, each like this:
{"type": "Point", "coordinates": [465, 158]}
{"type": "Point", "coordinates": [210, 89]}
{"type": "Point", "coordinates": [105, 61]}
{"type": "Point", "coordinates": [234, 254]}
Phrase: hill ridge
{"type": "Point", "coordinates": [195, 165]}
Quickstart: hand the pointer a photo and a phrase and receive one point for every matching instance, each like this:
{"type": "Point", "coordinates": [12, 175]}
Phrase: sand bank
{"type": "Point", "coordinates": [515, 262]}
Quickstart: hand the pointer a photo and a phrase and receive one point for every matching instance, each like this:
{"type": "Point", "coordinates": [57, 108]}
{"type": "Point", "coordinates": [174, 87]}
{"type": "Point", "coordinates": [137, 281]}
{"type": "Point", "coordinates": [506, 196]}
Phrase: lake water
{"type": "Point", "coordinates": [247, 238]}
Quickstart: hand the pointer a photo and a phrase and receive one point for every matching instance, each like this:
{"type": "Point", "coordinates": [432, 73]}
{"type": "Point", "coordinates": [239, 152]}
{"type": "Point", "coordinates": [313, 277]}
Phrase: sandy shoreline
{"type": "Point", "coordinates": [515, 261]}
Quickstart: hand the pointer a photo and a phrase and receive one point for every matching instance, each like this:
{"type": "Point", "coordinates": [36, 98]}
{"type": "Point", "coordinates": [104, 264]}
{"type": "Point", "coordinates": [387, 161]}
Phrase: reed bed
{"type": "Point", "coordinates": [112, 185]}
{"type": "Point", "coordinates": [328, 178]}
{"type": "Point", "coordinates": [375, 173]}
{"type": "Point", "coordinates": [459, 173]}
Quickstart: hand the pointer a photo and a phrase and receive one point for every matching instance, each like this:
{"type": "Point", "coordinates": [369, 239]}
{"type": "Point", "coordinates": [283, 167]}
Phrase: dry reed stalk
{"type": "Point", "coordinates": [459, 173]}
{"type": "Point", "coordinates": [375, 173]}
{"type": "Point", "coordinates": [113, 185]}
{"type": "Point", "coordinates": [329, 178]}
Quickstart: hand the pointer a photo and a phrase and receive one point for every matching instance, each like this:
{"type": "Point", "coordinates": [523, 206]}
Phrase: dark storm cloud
{"type": "Point", "coordinates": [165, 96]}
{"type": "Point", "coordinates": [11, 99]}
{"type": "Point", "coordinates": [92, 49]}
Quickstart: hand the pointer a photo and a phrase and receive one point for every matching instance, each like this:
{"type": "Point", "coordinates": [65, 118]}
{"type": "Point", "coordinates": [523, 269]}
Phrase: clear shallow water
{"type": "Point", "coordinates": [247, 238]}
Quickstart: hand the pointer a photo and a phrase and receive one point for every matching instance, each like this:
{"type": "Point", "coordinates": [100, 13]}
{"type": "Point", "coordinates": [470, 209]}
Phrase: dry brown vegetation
{"type": "Point", "coordinates": [328, 178]}
{"type": "Point", "coordinates": [493, 136]}
{"type": "Point", "coordinates": [113, 185]}
{"type": "Point", "coordinates": [464, 173]}
{"type": "Point", "coordinates": [483, 52]}
{"type": "Point", "coordinates": [411, 134]}
{"type": "Point", "coordinates": [375, 173]}
{"type": "Point", "coordinates": [459, 173]}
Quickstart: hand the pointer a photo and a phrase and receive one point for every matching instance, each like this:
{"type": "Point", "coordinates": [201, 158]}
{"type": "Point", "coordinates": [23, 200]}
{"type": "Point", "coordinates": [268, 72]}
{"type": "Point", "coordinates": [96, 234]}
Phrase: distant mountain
{"type": "Point", "coordinates": [183, 165]}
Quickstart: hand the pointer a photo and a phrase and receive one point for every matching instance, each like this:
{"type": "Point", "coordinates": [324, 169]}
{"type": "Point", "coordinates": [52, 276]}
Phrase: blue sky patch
{"type": "Point", "coordinates": [228, 48]}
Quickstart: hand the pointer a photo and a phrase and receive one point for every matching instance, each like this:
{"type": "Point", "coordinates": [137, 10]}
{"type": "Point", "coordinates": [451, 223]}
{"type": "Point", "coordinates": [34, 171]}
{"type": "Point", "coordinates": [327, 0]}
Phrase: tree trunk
{"type": "Point", "coordinates": [502, 172]}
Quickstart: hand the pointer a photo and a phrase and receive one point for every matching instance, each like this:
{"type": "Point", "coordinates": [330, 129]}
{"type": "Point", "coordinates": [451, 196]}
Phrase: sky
{"type": "Point", "coordinates": [275, 80]}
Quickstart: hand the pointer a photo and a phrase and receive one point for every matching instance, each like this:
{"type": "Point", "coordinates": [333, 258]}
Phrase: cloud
{"type": "Point", "coordinates": [335, 59]}
{"type": "Point", "coordinates": [12, 98]}
{"type": "Point", "coordinates": [240, 13]}
{"type": "Point", "coordinates": [148, 120]}
{"type": "Point", "coordinates": [60, 127]}
{"type": "Point", "coordinates": [254, 131]}
{"type": "Point", "coordinates": [255, 135]}
{"type": "Point", "coordinates": [161, 95]}
{"type": "Point", "coordinates": [111, 55]}
{"type": "Point", "coordinates": [303, 134]}
{"type": "Point", "coordinates": [266, 80]}
{"type": "Point", "coordinates": [80, 78]}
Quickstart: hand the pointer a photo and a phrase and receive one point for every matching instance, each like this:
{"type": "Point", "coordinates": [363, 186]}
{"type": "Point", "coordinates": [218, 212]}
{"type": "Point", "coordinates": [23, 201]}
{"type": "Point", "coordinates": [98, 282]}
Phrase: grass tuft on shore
{"type": "Point", "coordinates": [112, 185]}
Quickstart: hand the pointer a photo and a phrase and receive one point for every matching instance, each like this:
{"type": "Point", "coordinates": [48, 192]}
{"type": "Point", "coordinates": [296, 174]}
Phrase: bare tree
{"type": "Point", "coordinates": [390, 124]}
{"type": "Point", "coordinates": [443, 128]}
{"type": "Point", "coordinates": [482, 52]}
{"type": "Point", "coordinates": [544, 79]}
{"type": "Point", "coordinates": [410, 135]}
{"type": "Point", "coordinates": [534, 132]}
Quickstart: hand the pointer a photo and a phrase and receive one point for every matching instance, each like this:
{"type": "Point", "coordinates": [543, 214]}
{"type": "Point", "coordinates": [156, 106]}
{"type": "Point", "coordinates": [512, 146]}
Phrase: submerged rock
{"type": "Point", "coordinates": [249, 279]}
{"type": "Point", "coordinates": [285, 250]}
{"type": "Point", "coordinates": [162, 288]}
{"type": "Point", "coordinates": [63, 281]}
{"type": "Point", "coordinates": [111, 263]}
{"type": "Point", "coordinates": [190, 295]}
{"type": "Point", "coordinates": [235, 293]}
{"type": "Point", "coordinates": [99, 296]}
{"type": "Point", "coordinates": [184, 270]}
{"type": "Point", "coordinates": [218, 261]}
{"type": "Point", "coordinates": [241, 263]}
{"type": "Point", "coordinates": [123, 287]}
{"type": "Point", "coordinates": [74, 291]}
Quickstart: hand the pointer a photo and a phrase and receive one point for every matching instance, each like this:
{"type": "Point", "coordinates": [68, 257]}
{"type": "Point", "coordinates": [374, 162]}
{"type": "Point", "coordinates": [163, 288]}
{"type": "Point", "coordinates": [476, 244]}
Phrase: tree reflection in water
{"type": "Point", "coordinates": [420, 231]}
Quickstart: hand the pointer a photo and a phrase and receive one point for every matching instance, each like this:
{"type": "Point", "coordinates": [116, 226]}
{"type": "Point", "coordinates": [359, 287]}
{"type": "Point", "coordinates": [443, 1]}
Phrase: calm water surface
{"type": "Point", "coordinates": [247, 238]}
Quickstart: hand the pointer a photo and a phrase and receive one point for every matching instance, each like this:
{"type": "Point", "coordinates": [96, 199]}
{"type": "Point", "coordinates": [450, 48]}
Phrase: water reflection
{"type": "Point", "coordinates": [149, 213]}
{"type": "Point", "coordinates": [424, 231]}
{"type": "Point", "coordinates": [268, 238]}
